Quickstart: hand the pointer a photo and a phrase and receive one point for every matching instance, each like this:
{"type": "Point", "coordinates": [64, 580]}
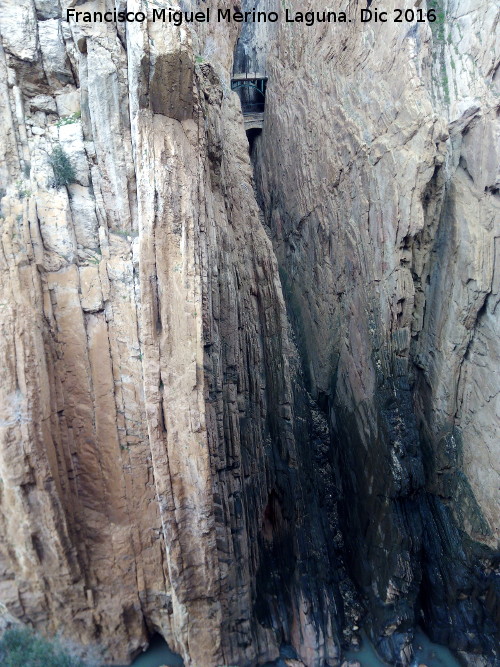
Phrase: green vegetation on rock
{"type": "Point", "coordinates": [21, 647]}
{"type": "Point", "coordinates": [64, 172]}
{"type": "Point", "coordinates": [437, 26]}
{"type": "Point", "coordinates": [69, 120]}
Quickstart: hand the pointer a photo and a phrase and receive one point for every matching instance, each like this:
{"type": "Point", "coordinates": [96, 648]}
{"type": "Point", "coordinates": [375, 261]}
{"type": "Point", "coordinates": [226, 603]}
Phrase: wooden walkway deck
{"type": "Point", "coordinates": [253, 121]}
{"type": "Point", "coordinates": [248, 76]}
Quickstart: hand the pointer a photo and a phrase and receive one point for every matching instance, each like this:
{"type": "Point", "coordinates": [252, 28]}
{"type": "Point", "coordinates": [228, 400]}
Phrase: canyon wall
{"type": "Point", "coordinates": [243, 411]}
{"type": "Point", "coordinates": [156, 436]}
{"type": "Point", "coordinates": [377, 170]}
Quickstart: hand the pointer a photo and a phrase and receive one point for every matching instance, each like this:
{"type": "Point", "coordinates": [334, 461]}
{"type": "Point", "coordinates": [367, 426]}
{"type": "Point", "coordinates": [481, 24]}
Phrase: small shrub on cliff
{"type": "Point", "coordinates": [64, 173]}
{"type": "Point", "coordinates": [69, 120]}
{"type": "Point", "coordinates": [21, 647]}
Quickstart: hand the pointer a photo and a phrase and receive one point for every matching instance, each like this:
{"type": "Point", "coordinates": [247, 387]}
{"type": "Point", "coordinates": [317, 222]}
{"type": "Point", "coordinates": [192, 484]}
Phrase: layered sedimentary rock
{"type": "Point", "coordinates": [197, 393]}
{"type": "Point", "coordinates": [157, 474]}
{"type": "Point", "coordinates": [378, 175]}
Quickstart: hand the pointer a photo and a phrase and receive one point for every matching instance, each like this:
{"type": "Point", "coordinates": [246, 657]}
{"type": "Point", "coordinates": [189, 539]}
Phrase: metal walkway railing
{"type": "Point", "coordinates": [253, 82]}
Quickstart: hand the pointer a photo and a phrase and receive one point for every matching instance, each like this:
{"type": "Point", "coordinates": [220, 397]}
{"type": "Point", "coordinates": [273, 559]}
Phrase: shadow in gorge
{"type": "Point", "coordinates": [425, 653]}
{"type": "Point", "coordinates": [369, 495]}
{"type": "Point", "coordinates": [157, 654]}
{"type": "Point", "coordinates": [252, 136]}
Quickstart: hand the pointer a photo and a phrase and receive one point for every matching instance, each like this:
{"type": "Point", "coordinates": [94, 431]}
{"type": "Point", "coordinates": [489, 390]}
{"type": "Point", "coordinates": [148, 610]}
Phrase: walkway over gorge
{"type": "Point", "coordinates": [251, 87]}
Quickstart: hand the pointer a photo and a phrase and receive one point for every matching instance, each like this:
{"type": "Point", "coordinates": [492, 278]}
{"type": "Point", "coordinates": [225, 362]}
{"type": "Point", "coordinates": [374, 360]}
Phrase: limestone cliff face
{"type": "Point", "coordinates": [203, 381]}
{"type": "Point", "coordinates": [156, 465]}
{"type": "Point", "coordinates": [378, 174]}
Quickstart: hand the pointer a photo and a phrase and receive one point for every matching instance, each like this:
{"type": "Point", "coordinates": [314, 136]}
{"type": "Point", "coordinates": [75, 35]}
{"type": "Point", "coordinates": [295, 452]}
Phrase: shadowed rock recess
{"type": "Point", "coordinates": [248, 402]}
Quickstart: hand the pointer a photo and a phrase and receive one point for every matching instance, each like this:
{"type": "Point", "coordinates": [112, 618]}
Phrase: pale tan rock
{"type": "Point", "coordinates": [84, 216]}
{"type": "Point", "coordinates": [151, 428]}
{"type": "Point", "coordinates": [90, 286]}
{"type": "Point", "coordinates": [54, 56]}
{"type": "Point", "coordinates": [54, 215]}
{"type": "Point", "coordinates": [19, 32]}
{"type": "Point", "coordinates": [171, 84]}
{"type": "Point", "coordinates": [68, 102]}
{"type": "Point", "coordinates": [70, 138]}
{"type": "Point", "coordinates": [44, 103]}
{"type": "Point", "coordinates": [107, 97]}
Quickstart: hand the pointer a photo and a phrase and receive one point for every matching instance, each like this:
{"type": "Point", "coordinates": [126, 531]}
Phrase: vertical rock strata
{"type": "Point", "coordinates": [156, 436]}
{"type": "Point", "coordinates": [378, 173]}
{"type": "Point", "coordinates": [188, 405]}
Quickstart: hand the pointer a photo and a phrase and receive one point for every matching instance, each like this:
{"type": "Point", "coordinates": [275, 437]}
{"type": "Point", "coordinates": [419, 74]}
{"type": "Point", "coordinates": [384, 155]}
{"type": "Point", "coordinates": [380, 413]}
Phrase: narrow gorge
{"type": "Point", "coordinates": [249, 381]}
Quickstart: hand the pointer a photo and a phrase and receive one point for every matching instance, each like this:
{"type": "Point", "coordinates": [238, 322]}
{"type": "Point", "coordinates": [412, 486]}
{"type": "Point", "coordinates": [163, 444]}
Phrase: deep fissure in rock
{"type": "Point", "coordinates": [420, 535]}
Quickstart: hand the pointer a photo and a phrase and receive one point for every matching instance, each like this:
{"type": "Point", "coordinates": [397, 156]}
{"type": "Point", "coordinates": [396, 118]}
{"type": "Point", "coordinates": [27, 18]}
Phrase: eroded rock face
{"type": "Point", "coordinates": [197, 393]}
{"type": "Point", "coordinates": [157, 439]}
{"type": "Point", "coordinates": [386, 243]}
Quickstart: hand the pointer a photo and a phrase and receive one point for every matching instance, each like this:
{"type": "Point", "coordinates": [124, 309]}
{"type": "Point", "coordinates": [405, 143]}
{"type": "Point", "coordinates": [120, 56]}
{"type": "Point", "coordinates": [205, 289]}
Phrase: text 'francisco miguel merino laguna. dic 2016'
{"type": "Point", "coordinates": [177, 17]}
